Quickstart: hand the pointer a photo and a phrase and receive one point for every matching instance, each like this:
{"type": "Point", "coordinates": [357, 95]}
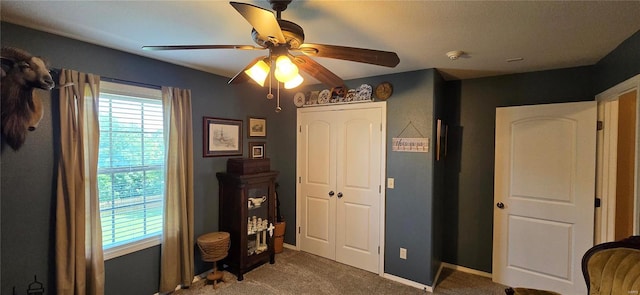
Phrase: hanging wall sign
{"type": "Point", "coordinates": [416, 145]}
{"type": "Point", "coordinates": [410, 144]}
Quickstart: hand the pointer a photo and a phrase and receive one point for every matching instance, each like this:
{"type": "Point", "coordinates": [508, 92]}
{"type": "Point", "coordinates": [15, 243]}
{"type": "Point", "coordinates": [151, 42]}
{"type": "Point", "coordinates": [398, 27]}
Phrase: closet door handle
{"type": "Point", "coordinates": [339, 195]}
{"type": "Point", "coordinates": [331, 193]}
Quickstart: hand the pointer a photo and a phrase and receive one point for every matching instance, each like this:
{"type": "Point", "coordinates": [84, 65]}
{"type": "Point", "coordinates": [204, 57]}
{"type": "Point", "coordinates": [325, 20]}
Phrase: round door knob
{"type": "Point", "coordinates": [339, 195]}
{"type": "Point", "coordinates": [331, 193]}
{"type": "Point", "coordinates": [500, 205]}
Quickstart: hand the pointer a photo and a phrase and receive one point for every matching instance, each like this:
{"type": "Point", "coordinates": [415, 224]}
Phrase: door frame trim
{"type": "Point", "coordinates": [382, 105]}
{"type": "Point", "coordinates": [606, 171]}
{"type": "Point", "coordinates": [606, 168]}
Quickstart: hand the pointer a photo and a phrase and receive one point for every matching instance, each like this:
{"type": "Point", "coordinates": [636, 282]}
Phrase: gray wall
{"type": "Point", "coordinates": [469, 196]}
{"type": "Point", "coordinates": [409, 205]}
{"type": "Point", "coordinates": [619, 65]}
{"type": "Point", "coordinates": [28, 176]}
{"type": "Point", "coordinates": [27, 206]}
{"type": "Point", "coordinates": [409, 209]}
{"type": "Point", "coordinates": [460, 233]}
{"type": "Point", "coordinates": [471, 107]}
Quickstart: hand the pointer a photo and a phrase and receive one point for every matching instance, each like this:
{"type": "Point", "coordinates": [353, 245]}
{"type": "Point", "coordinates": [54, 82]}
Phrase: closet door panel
{"type": "Point", "coordinates": [317, 163]}
{"type": "Point", "coordinates": [358, 181]}
{"type": "Point", "coordinates": [340, 165]}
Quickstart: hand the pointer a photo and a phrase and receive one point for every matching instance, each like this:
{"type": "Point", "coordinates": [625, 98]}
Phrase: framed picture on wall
{"type": "Point", "coordinates": [257, 150]}
{"type": "Point", "coordinates": [221, 137]}
{"type": "Point", "coordinates": [257, 127]}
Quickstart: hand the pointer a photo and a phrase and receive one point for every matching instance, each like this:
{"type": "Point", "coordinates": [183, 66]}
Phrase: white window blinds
{"type": "Point", "coordinates": [130, 164]}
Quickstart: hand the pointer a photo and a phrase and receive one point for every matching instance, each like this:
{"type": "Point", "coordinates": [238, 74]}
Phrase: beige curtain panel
{"type": "Point", "coordinates": [177, 240]}
{"type": "Point", "coordinates": [79, 258]}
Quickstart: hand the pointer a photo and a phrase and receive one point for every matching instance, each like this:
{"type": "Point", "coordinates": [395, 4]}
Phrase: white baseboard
{"type": "Point", "coordinates": [289, 246]}
{"type": "Point", "coordinates": [437, 277]}
{"type": "Point", "coordinates": [467, 270]}
{"type": "Point", "coordinates": [408, 282]}
{"type": "Point", "coordinates": [196, 278]}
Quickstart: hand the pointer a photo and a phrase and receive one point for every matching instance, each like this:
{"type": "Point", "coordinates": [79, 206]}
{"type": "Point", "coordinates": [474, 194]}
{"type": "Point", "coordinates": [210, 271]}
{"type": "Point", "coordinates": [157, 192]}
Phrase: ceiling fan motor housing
{"type": "Point", "coordinates": [293, 34]}
{"type": "Point", "coordinates": [279, 5]}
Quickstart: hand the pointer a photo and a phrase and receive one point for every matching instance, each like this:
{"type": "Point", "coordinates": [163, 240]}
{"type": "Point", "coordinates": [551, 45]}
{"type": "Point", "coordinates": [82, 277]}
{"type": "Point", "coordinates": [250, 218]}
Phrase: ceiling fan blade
{"type": "Point", "coordinates": [262, 20]}
{"type": "Point", "coordinates": [370, 56]}
{"type": "Point", "coordinates": [241, 76]}
{"type": "Point", "coordinates": [180, 47]}
{"type": "Point", "coordinates": [316, 70]}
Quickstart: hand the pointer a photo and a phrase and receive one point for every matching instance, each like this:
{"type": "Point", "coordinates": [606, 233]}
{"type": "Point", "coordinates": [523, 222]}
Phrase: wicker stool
{"type": "Point", "coordinates": [214, 247]}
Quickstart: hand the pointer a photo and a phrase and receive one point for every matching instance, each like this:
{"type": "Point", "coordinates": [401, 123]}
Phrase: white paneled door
{"type": "Point", "coordinates": [544, 195]}
{"type": "Point", "coordinates": [340, 158]}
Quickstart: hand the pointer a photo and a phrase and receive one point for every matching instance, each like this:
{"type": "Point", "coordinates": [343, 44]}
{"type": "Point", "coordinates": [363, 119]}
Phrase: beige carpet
{"type": "Point", "coordinates": [301, 273]}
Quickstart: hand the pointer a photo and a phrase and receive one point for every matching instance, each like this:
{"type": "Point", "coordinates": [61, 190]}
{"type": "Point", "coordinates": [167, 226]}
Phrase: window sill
{"type": "Point", "coordinates": [129, 248]}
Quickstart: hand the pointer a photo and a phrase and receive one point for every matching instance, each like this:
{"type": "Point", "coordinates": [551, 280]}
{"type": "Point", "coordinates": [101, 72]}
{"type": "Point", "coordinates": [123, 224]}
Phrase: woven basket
{"type": "Point", "coordinates": [214, 246]}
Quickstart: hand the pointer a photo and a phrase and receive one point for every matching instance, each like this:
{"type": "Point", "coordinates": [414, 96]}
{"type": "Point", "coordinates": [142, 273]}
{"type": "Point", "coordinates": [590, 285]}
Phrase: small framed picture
{"type": "Point", "coordinates": [257, 150]}
{"type": "Point", "coordinates": [257, 127]}
{"type": "Point", "coordinates": [221, 137]}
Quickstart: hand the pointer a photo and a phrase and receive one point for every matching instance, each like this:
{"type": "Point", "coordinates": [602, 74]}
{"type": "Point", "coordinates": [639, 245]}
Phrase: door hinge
{"type": "Point", "coordinates": [299, 179]}
{"type": "Point", "coordinates": [378, 250]}
{"type": "Point", "coordinates": [598, 202]}
{"type": "Point", "coordinates": [300, 129]}
{"type": "Point", "coordinates": [600, 125]}
{"type": "Point", "coordinates": [380, 126]}
{"type": "Point", "coordinates": [298, 230]}
{"type": "Point", "coordinates": [379, 189]}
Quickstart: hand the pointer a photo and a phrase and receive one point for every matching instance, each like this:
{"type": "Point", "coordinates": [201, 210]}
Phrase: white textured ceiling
{"type": "Point", "coordinates": [546, 34]}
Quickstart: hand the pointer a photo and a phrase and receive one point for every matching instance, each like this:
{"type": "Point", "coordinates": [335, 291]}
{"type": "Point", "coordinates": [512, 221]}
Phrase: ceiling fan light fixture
{"type": "Point", "coordinates": [293, 83]}
{"type": "Point", "coordinates": [258, 72]}
{"type": "Point", "coordinates": [285, 69]}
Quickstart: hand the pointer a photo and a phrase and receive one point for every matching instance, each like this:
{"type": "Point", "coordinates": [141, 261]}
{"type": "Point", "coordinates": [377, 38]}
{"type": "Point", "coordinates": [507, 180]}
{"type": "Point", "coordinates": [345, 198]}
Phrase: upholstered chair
{"type": "Point", "coordinates": [613, 268]}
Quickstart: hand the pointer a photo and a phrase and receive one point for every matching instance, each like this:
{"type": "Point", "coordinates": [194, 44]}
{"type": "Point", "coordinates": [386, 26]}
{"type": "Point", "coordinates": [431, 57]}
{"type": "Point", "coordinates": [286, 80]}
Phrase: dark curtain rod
{"type": "Point", "coordinates": [130, 83]}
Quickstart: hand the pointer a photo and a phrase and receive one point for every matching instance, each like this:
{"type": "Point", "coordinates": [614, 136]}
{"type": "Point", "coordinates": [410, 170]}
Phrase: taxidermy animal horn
{"type": "Point", "coordinates": [22, 110]}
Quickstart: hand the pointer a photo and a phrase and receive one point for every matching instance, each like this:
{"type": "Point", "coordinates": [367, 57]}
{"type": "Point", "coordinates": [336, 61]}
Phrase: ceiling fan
{"type": "Point", "coordinates": [282, 38]}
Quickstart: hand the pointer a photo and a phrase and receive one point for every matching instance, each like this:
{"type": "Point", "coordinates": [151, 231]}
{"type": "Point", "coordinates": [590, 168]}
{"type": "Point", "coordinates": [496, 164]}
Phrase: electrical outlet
{"type": "Point", "coordinates": [403, 253]}
{"type": "Point", "coordinates": [390, 182]}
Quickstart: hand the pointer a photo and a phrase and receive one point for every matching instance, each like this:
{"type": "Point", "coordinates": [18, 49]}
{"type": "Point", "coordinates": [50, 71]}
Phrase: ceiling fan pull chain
{"type": "Point", "coordinates": [278, 108]}
{"type": "Point", "coordinates": [270, 95]}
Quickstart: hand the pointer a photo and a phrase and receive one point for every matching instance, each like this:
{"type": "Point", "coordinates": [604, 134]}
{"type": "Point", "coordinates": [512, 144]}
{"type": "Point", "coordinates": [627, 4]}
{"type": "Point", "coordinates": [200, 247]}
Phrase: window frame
{"type": "Point", "coordinates": [138, 92]}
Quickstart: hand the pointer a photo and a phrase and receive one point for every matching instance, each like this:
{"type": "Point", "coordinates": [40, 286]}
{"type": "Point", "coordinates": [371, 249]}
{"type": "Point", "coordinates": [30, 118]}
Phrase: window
{"type": "Point", "coordinates": [130, 167]}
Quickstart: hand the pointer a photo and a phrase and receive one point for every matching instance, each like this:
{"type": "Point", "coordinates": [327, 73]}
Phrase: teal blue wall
{"type": "Point", "coordinates": [28, 176]}
{"type": "Point", "coordinates": [619, 65]}
{"type": "Point", "coordinates": [409, 222]}
{"type": "Point", "coordinates": [470, 105]}
{"type": "Point", "coordinates": [436, 218]}
{"type": "Point", "coordinates": [409, 205]}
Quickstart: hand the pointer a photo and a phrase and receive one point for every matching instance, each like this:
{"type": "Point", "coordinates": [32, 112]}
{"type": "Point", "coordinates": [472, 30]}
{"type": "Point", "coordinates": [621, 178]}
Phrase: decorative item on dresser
{"type": "Point", "coordinates": [244, 166]}
{"type": "Point", "coordinates": [248, 213]}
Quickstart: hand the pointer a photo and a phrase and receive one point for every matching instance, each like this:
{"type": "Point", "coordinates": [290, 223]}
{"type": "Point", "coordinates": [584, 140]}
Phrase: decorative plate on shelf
{"type": "Point", "coordinates": [299, 99]}
{"type": "Point", "coordinates": [384, 90]}
{"type": "Point", "coordinates": [313, 98]}
{"type": "Point", "coordinates": [324, 96]}
{"type": "Point", "coordinates": [351, 95]}
{"type": "Point", "coordinates": [338, 93]}
{"type": "Point", "coordinates": [364, 92]}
